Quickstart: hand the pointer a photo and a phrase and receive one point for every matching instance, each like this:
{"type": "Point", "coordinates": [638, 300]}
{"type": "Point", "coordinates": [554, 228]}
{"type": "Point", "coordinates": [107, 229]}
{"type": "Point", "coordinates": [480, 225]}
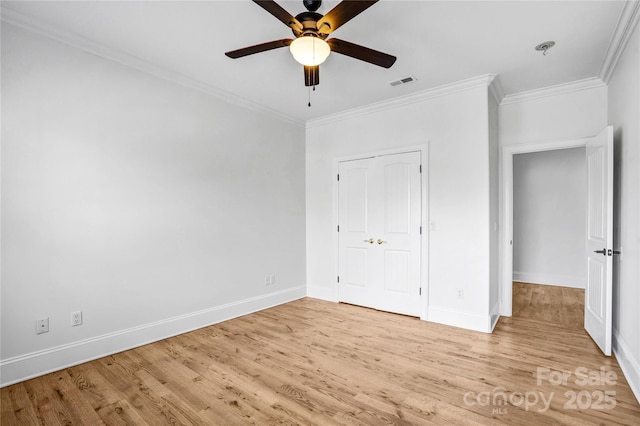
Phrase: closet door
{"type": "Point", "coordinates": [379, 238]}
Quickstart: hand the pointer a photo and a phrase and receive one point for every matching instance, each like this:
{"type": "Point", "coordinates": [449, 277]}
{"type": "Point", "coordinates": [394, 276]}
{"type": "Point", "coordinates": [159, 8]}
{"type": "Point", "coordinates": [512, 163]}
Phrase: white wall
{"type": "Point", "coordinates": [565, 115]}
{"type": "Point", "coordinates": [151, 207]}
{"type": "Point", "coordinates": [455, 126]}
{"type": "Point", "coordinates": [549, 204]}
{"type": "Point", "coordinates": [624, 113]}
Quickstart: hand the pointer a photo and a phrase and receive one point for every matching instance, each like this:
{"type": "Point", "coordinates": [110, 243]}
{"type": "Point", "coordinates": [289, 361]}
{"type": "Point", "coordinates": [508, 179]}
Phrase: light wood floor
{"type": "Point", "coordinates": [560, 305]}
{"type": "Point", "coordinates": [312, 362]}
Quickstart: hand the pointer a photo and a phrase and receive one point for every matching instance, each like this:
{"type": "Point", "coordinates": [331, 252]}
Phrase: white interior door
{"type": "Point", "coordinates": [598, 292]}
{"type": "Point", "coordinates": [379, 237]}
{"type": "Point", "coordinates": [356, 277]}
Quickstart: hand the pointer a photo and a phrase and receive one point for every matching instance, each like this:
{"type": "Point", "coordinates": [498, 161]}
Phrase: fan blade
{"type": "Point", "coordinates": [361, 52]}
{"type": "Point", "coordinates": [311, 75]}
{"type": "Point", "coordinates": [282, 15]}
{"type": "Point", "coordinates": [342, 13]}
{"type": "Point", "coordinates": [263, 47]}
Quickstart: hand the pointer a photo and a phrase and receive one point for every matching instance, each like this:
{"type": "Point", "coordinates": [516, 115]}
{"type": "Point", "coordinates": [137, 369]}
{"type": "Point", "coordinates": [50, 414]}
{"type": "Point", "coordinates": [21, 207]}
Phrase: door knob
{"type": "Point", "coordinates": [381, 242]}
{"type": "Point", "coordinates": [370, 241]}
{"type": "Point", "coordinates": [603, 251]}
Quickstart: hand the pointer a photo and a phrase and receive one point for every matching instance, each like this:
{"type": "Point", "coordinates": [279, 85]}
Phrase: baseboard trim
{"type": "Point", "coordinates": [461, 319]}
{"type": "Point", "coordinates": [322, 293]}
{"type": "Point", "coordinates": [549, 279]}
{"type": "Point", "coordinates": [24, 367]}
{"type": "Point", "coordinates": [629, 365]}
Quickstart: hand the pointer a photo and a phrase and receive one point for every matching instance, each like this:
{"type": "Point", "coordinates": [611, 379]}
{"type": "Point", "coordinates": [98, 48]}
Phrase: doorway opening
{"type": "Point", "coordinates": [549, 236]}
{"type": "Point", "coordinates": [507, 211]}
{"type": "Point", "coordinates": [599, 230]}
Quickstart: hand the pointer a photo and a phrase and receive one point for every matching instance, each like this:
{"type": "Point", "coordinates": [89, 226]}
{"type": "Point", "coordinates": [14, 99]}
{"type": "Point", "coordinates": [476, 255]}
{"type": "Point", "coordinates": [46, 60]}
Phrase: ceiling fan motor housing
{"type": "Point", "coordinates": [309, 24]}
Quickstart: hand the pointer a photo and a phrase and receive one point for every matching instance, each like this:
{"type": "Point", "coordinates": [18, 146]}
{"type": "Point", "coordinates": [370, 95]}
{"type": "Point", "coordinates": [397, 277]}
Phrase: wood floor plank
{"type": "Point", "coordinates": [311, 362]}
{"type": "Point", "coordinates": [72, 400]}
{"type": "Point", "coordinates": [95, 388]}
{"type": "Point", "coordinates": [560, 305]}
{"type": "Point", "coordinates": [48, 403]}
{"type": "Point", "coordinates": [120, 413]}
{"type": "Point", "coordinates": [17, 407]}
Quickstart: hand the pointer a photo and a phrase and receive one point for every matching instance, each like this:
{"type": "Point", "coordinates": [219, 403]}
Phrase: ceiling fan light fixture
{"type": "Point", "coordinates": [309, 50]}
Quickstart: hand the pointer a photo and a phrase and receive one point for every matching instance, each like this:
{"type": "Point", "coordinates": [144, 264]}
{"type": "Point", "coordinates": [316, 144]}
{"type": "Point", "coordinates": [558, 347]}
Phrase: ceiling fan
{"type": "Point", "coordinates": [311, 29]}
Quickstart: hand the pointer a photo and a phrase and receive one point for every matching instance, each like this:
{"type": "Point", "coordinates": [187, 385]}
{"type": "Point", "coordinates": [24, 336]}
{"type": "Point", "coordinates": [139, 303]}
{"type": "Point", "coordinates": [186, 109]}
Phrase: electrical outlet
{"type": "Point", "coordinates": [42, 326]}
{"type": "Point", "coordinates": [460, 294]}
{"type": "Point", "coordinates": [76, 318]}
{"type": "Point", "coordinates": [270, 279]}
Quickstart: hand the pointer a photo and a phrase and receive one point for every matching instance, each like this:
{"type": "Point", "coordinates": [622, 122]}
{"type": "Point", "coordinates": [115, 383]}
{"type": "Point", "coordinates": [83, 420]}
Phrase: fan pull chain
{"type": "Point", "coordinates": [314, 89]}
{"type": "Point", "coordinates": [313, 74]}
{"type": "Point", "coordinates": [312, 77]}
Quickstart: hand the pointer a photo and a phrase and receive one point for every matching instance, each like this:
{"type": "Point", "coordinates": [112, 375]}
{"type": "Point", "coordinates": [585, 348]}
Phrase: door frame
{"type": "Point", "coordinates": [506, 210]}
{"type": "Point", "coordinates": [424, 220]}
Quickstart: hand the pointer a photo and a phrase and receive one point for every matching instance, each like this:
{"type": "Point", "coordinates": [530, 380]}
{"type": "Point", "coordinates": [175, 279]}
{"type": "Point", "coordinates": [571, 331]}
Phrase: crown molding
{"type": "Point", "coordinates": [10, 16]}
{"type": "Point", "coordinates": [444, 90]}
{"type": "Point", "coordinates": [559, 89]}
{"type": "Point", "coordinates": [627, 23]}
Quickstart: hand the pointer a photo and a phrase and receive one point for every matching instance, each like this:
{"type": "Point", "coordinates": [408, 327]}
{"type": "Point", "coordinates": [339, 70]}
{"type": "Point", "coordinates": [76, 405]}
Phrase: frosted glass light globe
{"type": "Point", "coordinates": [309, 50]}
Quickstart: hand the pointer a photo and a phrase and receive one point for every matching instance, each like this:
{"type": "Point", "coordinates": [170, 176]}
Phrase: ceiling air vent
{"type": "Point", "coordinates": [403, 81]}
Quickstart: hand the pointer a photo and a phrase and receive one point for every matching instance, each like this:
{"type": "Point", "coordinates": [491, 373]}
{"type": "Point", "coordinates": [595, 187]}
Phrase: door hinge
{"type": "Point", "coordinates": [420, 229]}
{"type": "Point", "coordinates": [420, 168]}
{"type": "Point", "coordinates": [338, 228]}
{"type": "Point", "coordinates": [420, 291]}
{"type": "Point", "coordinates": [338, 177]}
{"type": "Point", "coordinates": [338, 278]}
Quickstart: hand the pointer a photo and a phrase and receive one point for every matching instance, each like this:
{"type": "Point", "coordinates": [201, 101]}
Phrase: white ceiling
{"type": "Point", "coordinates": [437, 42]}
